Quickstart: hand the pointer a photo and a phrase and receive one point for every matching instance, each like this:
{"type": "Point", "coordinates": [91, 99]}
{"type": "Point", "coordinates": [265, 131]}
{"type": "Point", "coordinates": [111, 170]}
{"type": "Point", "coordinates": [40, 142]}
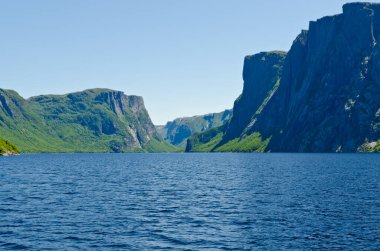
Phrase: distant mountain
{"type": "Point", "coordinates": [176, 132]}
{"type": "Point", "coordinates": [96, 120]}
{"type": "Point", "coordinates": [326, 99]}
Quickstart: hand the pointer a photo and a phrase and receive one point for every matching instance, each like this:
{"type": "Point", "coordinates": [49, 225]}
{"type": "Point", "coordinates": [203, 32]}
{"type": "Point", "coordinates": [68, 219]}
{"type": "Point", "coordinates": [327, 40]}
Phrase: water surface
{"type": "Point", "coordinates": [190, 201]}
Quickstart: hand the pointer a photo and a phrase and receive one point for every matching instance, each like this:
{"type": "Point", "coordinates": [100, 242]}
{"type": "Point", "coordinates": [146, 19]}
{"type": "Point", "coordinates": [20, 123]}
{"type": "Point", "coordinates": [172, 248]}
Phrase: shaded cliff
{"type": "Point", "coordinates": [96, 120]}
{"type": "Point", "coordinates": [328, 98]}
{"type": "Point", "coordinates": [261, 75]}
{"type": "Point", "coordinates": [179, 130]}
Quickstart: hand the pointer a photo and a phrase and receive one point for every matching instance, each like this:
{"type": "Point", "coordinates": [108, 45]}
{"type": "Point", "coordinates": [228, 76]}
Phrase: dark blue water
{"type": "Point", "coordinates": [190, 201]}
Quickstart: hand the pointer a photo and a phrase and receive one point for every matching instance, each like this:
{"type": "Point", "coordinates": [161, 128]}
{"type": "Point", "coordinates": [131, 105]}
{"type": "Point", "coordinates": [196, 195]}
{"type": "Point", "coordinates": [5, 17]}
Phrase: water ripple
{"type": "Point", "coordinates": [190, 202]}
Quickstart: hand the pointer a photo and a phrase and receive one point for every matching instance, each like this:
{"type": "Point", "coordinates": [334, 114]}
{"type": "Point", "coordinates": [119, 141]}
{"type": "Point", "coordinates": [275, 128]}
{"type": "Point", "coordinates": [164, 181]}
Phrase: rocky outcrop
{"type": "Point", "coordinates": [95, 120]}
{"type": "Point", "coordinates": [7, 148]}
{"type": "Point", "coordinates": [261, 75]}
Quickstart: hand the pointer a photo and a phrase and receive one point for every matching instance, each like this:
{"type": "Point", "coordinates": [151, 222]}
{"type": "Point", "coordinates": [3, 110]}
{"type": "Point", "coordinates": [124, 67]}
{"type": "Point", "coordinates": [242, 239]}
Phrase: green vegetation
{"type": "Point", "coordinates": [373, 147]}
{"type": "Point", "coordinates": [7, 148]}
{"type": "Point", "coordinates": [212, 140]}
{"type": "Point", "coordinates": [209, 141]}
{"type": "Point", "coordinates": [268, 97]}
{"type": "Point", "coordinates": [177, 132]}
{"type": "Point", "coordinates": [376, 149]}
{"type": "Point", "coordinates": [251, 143]}
{"type": "Point", "coordinates": [158, 146]}
{"type": "Point", "coordinates": [262, 77]}
{"type": "Point", "coordinates": [96, 120]}
{"type": "Point", "coordinates": [205, 141]}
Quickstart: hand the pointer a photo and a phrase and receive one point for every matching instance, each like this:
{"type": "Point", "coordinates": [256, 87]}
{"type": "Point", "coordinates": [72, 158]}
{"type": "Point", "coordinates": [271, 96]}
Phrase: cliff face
{"type": "Point", "coordinates": [328, 96]}
{"type": "Point", "coordinates": [261, 73]}
{"type": "Point", "coordinates": [96, 120]}
{"type": "Point", "coordinates": [179, 130]}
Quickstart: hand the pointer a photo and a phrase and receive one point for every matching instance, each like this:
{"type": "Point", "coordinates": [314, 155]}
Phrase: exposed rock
{"type": "Point", "coordinates": [330, 88]}
{"type": "Point", "coordinates": [261, 72]}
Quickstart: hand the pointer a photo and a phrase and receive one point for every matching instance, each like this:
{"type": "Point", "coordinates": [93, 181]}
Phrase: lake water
{"type": "Point", "coordinates": [190, 201]}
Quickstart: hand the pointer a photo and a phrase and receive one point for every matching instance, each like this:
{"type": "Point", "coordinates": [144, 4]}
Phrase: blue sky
{"type": "Point", "coordinates": [185, 57]}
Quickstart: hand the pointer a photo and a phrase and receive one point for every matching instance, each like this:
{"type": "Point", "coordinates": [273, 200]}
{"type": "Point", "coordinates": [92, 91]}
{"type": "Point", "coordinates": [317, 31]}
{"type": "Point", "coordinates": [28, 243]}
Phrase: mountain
{"type": "Point", "coordinates": [328, 95]}
{"type": "Point", "coordinates": [261, 75]}
{"type": "Point", "coordinates": [96, 120]}
{"type": "Point", "coordinates": [177, 132]}
{"type": "Point", "coordinates": [7, 148]}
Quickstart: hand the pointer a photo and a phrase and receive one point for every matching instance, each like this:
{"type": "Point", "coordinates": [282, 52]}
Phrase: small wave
{"type": "Point", "coordinates": [14, 246]}
{"type": "Point", "coordinates": [8, 210]}
{"type": "Point", "coordinates": [172, 240]}
{"type": "Point", "coordinates": [10, 199]}
{"type": "Point", "coordinates": [76, 238]}
{"type": "Point", "coordinates": [119, 246]}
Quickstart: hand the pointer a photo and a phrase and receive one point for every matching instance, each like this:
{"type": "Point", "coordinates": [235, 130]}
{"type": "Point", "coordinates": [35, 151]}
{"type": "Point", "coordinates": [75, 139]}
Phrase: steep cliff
{"type": "Point", "coordinates": [328, 96]}
{"type": "Point", "coordinates": [261, 75]}
{"type": "Point", "coordinates": [179, 130]}
{"type": "Point", "coordinates": [96, 120]}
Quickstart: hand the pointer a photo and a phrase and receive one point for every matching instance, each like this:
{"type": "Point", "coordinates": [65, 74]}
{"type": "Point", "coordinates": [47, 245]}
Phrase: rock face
{"type": "Point", "coordinates": [176, 132]}
{"type": "Point", "coordinates": [261, 75]}
{"type": "Point", "coordinates": [328, 98]}
{"type": "Point", "coordinates": [96, 120]}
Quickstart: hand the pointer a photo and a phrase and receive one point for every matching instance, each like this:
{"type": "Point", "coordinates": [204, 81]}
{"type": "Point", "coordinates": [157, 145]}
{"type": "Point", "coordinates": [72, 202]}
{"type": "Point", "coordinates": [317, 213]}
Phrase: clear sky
{"type": "Point", "coordinates": [185, 57]}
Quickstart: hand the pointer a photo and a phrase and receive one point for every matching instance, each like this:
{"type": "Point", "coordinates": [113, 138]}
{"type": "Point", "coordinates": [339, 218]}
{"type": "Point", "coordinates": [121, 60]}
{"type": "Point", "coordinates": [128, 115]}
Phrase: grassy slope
{"type": "Point", "coordinates": [246, 143]}
{"type": "Point", "coordinates": [205, 141]}
{"type": "Point", "coordinates": [23, 127]}
{"type": "Point", "coordinates": [209, 142]}
{"type": "Point", "coordinates": [6, 146]}
{"type": "Point", "coordinates": [250, 143]}
{"type": "Point", "coordinates": [157, 146]}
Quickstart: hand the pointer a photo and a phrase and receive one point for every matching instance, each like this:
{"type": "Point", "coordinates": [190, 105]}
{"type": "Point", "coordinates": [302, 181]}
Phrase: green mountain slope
{"type": "Point", "coordinates": [177, 132]}
{"type": "Point", "coordinates": [96, 120]}
{"type": "Point", "coordinates": [205, 141]}
{"type": "Point", "coordinates": [7, 148]}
